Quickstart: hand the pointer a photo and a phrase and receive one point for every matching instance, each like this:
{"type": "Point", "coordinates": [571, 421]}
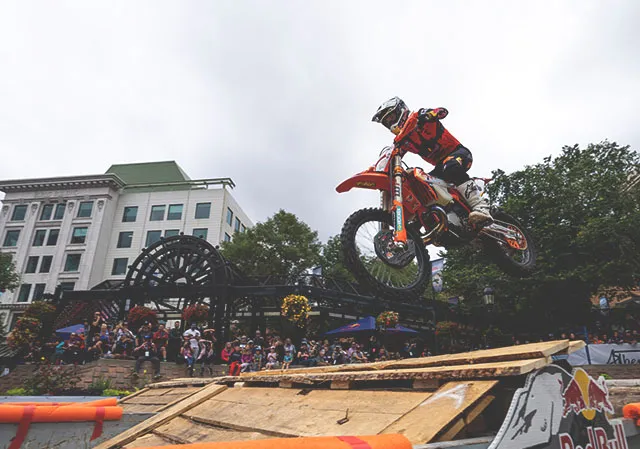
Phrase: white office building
{"type": "Point", "coordinates": [77, 231]}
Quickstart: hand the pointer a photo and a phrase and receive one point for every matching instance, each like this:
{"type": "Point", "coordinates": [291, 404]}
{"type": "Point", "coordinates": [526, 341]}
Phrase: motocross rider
{"type": "Point", "coordinates": [422, 133]}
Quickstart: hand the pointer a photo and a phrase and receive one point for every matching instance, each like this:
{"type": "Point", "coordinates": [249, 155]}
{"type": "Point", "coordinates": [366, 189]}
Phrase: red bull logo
{"type": "Point", "coordinates": [351, 326]}
{"type": "Point", "coordinates": [597, 439]}
{"type": "Point", "coordinates": [586, 396]}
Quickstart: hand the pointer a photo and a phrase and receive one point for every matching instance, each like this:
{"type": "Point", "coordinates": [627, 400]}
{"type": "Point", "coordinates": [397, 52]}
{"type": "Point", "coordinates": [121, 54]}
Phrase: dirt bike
{"type": "Point", "coordinates": [385, 248]}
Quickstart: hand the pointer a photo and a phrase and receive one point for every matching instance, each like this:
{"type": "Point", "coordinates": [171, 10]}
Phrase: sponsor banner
{"type": "Point", "coordinates": [436, 274]}
{"type": "Point", "coordinates": [622, 354]}
{"type": "Point", "coordinates": [558, 410]}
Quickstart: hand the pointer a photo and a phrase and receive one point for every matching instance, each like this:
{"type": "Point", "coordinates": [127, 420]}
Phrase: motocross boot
{"type": "Point", "coordinates": [478, 203]}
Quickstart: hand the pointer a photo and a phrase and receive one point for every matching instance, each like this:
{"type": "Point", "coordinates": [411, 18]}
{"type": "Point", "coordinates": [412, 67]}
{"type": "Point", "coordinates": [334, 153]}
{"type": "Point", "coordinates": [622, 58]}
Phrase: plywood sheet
{"type": "Point", "coordinates": [281, 412]}
{"type": "Point", "coordinates": [165, 416]}
{"type": "Point", "coordinates": [476, 371]}
{"type": "Point", "coordinates": [150, 440]}
{"type": "Point", "coordinates": [186, 431]}
{"type": "Point", "coordinates": [509, 353]}
{"type": "Point", "coordinates": [443, 408]}
{"type": "Point", "coordinates": [140, 408]}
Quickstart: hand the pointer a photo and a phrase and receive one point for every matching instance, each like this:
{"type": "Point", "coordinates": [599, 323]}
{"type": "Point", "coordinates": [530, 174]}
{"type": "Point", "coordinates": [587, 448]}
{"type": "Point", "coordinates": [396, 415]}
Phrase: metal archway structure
{"type": "Point", "coordinates": [183, 270]}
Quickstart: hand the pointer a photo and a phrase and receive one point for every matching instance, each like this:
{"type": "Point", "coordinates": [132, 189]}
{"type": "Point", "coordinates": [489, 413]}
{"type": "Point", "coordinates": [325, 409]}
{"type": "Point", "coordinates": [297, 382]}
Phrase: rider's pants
{"type": "Point", "coordinates": [454, 167]}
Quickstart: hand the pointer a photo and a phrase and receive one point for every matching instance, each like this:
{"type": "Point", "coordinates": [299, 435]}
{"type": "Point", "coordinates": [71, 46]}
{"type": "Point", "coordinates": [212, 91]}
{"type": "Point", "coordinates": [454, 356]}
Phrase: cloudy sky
{"type": "Point", "coordinates": [279, 95]}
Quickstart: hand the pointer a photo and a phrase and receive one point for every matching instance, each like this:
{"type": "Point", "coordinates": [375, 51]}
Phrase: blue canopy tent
{"type": "Point", "coordinates": [367, 324]}
{"type": "Point", "coordinates": [66, 332]}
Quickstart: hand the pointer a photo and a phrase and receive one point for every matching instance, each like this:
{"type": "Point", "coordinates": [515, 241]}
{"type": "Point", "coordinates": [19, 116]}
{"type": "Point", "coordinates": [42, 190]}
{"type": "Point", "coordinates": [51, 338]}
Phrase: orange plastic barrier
{"type": "Point", "coordinates": [632, 411]}
{"type": "Point", "coordinates": [67, 413]}
{"type": "Point", "coordinates": [108, 402]}
{"type": "Point", "coordinates": [392, 441]}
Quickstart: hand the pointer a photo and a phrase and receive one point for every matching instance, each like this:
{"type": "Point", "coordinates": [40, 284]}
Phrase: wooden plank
{"type": "Point", "coordinates": [505, 354]}
{"type": "Point", "coordinates": [148, 441]}
{"type": "Point", "coordinates": [186, 431]}
{"type": "Point", "coordinates": [184, 382]}
{"type": "Point", "coordinates": [140, 408]}
{"type": "Point", "coordinates": [146, 426]}
{"type": "Point", "coordinates": [477, 371]}
{"type": "Point", "coordinates": [440, 410]}
{"type": "Point", "coordinates": [133, 395]}
{"type": "Point", "coordinates": [286, 413]}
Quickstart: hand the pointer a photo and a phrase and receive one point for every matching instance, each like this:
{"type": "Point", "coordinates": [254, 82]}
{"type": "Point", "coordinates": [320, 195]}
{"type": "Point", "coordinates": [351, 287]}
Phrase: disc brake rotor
{"type": "Point", "coordinates": [390, 252]}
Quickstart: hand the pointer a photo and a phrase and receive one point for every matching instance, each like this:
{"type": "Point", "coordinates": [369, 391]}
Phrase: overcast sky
{"type": "Point", "coordinates": [279, 95]}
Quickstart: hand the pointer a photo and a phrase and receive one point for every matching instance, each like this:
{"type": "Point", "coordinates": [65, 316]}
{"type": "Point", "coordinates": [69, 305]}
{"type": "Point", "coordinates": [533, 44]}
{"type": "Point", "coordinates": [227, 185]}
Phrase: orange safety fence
{"type": "Point", "coordinates": [98, 403]}
{"type": "Point", "coordinates": [24, 414]}
{"type": "Point", "coordinates": [391, 441]}
{"type": "Point", "coordinates": [632, 411]}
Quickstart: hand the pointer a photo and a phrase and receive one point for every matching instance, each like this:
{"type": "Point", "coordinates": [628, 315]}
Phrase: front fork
{"type": "Point", "coordinates": [399, 231]}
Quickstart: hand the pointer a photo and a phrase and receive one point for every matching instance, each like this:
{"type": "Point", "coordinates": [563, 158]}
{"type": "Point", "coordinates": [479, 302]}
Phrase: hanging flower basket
{"type": "Point", "coordinates": [296, 309]}
{"type": "Point", "coordinates": [198, 313]}
{"type": "Point", "coordinates": [24, 333]}
{"type": "Point", "coordinates": [387, 320]}
{"type": "Point", "coordinates": [139, 314]}
{"type": "Point", "coordinates": [446, 327]}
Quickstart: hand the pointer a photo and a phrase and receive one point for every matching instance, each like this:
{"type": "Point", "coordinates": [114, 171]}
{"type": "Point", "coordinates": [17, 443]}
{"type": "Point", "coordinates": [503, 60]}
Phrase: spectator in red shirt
{"type": "Point", "coordinates": [160, 339]}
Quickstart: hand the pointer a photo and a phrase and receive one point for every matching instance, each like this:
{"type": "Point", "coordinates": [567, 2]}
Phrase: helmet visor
{"type": "Point", "coordinates": [391, 118]}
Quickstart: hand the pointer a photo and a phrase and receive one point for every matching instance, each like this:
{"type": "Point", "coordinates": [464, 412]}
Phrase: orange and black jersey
{"type": "Point", "coordinates": [425, 135]}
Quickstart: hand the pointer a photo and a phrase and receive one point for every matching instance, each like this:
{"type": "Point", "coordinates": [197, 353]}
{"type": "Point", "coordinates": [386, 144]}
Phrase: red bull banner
{"type": "Point", "coordinates": [559, 410]}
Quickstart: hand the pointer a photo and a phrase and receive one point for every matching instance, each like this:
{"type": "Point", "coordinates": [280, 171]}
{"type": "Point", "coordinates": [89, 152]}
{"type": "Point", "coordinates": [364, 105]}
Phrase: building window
{"type": "Point", "coordinates": [47, 211]}
{"type": "Point", "coordinates": [203, 210]}
{"type": "Point", "coordinates": [72, 263]}
{"type": "Point", "coordinates": [119, 266]}
{"type": "Point", "coordinates": [84, 209]}
{"type": "Point", "coordinates": [45, 266]}
{"type": "Point", "coordinates": [201, 233]}
{"type": "Point", "coordinates": [38, 239]}
{"type": "Point", "coordinates": [67, 286]}
{"type": "Point", "coordinates": [243, 229]}
{"type": "Point", "coordinates": [59, 213]}
{"type": "Point", "coordinates": [53, 237]}
{"type": "Point", "coordinates": [130, 214]}
{"type": "Point", "coordinates": [38, 291]}
{"type": "Point", "coordinates": [227, 237]}
{"type": "Point", "coordinates": [79, 235]}
{"type": "Point", "coordinates": [171, 232]}
{"type": "Point", "coordinates": [23, 294]}
{"type": "Point", "coordinates": [229, 217]}
{"type": "Point", "coordinates": [11, 238]}
{"type": "Point", "coordinates": [157, 213]}
{"type": "Point", "coordinates": [19, 212]}
{"type": "Point", "coordinates": [236, 227]}
{"type": "Point", "coordinates": [125, 239]}
{"type": "Point", "coordinates": [175, 212]}
{"type": "Point", "coordinates": [32, 264]}
{"type": "Point", "coordinates": [153, 237]}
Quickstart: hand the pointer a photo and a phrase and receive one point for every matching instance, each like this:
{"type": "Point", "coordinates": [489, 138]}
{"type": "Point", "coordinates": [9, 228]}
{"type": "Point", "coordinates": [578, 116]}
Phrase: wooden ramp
{"type": "Point", "coordinates": [428, 399]}
{"type": "Point", "coordinates": [153, 400]}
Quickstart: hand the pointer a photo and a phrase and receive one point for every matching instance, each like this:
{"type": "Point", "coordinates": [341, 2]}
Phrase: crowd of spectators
{"type": "Point", "coordinates": [196, 348]}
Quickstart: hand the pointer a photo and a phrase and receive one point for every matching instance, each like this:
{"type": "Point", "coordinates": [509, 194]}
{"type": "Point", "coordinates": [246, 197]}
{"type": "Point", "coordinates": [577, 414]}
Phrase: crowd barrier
{"type": "Point", "coordinates": [606, 354]}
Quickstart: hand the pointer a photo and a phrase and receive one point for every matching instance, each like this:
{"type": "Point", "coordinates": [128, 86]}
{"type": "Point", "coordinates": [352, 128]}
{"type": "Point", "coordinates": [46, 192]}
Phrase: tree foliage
{"type": "Point", "coordinates": [332, 260]}
{"type": "Point", "coordinates": [584, 219]}
{"type": "Point", "coordinates": [282, 245]}
{"type": "Point", "coordinates": [9, 279]}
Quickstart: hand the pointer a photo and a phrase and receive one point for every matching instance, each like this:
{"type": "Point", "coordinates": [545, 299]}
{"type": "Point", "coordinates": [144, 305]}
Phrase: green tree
{"type": "Point", "coordinates": [584, 219]}
{"type": "Point", "coordinates": [331, 261]}
{"type": "Point", "coordinates": [9, 279]}
{"type": "Point", "coordinates": [282, 245]}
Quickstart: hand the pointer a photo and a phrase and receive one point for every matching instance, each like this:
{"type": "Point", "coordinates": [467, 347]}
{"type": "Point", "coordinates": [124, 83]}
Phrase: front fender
{"type": "Point", "coordinates": [365, 180]}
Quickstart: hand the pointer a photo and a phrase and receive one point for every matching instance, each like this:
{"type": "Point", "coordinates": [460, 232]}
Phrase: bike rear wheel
{"type": "Point", "coordinates": [515, 256]}
{"type": "Point", "coordinates": [377, 263]}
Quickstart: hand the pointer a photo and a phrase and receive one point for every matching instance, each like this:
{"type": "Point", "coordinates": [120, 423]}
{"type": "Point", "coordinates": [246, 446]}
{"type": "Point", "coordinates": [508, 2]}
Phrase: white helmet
{"type": "Point", "coordinates": [392, 114]}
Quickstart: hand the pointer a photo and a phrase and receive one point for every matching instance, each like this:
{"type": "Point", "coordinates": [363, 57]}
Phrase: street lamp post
{"type": "Point", "coordinates": [488, 296]}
